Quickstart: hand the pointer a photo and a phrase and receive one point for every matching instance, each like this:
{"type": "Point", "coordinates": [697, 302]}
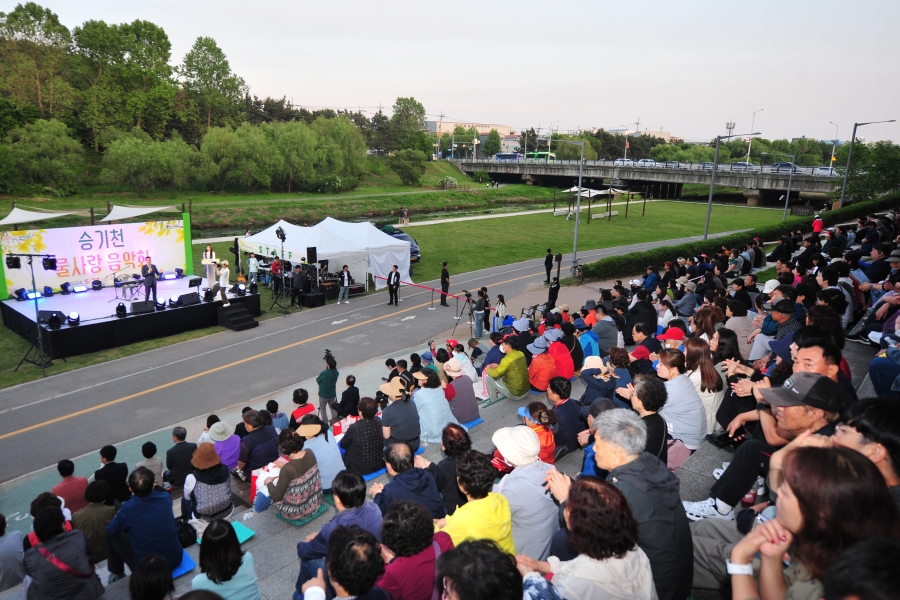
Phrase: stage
{"type": "Point", "coordinates": [99, 327]}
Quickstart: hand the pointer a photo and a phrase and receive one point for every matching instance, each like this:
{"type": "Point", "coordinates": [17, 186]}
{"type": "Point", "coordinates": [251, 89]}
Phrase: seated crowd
{"type": "Point", "coordinates": [807, 507]}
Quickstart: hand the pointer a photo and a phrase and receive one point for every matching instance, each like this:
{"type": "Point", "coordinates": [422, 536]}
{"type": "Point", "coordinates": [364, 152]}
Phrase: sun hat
{"type": "Point", "coordinates": [682, 280]}
{"type": "Point", "coordinates": [309, 430]}
{"type": "Point", "coordinates": [521, 324]}
{"type": "Point", "coordinates": [564, 307]}
{"type": "Point", "coordinates": [219, 432]}
{"type": "Point", "coordinates": [205, 456]}
{"type": "Point", "coordinates": [420, 375]}
{"type": "Point", "coordinates": [553, 335]}
{"type": "Point", "coordinates": [427, 357]}
{"type": "Point", "coordinates": [518, 445]}
{"type": "Point", "coordinates": [538, 346]}
{"type": "Point", "coordinates": [556, 310]}
{"type": "Point", "coordinates": [394, 387]}
{"type": "Point", "coordinates": [690, 286]}
{"type": "Point", "coordinates": [453, 367]}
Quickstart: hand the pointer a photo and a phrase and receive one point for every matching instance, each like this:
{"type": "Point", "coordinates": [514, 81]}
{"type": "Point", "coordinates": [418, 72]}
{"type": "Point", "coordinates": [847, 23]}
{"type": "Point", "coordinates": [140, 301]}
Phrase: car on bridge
{"type": "Point", "coordinates": [670, 164]}
{"type": "Point", "coordinates": [785, 167]}
{"type": "Point", "coordinates": [623, 162]}
{"type": "Point", "coordinates": [646, 162]}
{"type": "Point", "coordinates": [744, 167]}
{"type": "Point", "coordinates": [707, 166]}
{"type": "Point", "coordinates": [827, 171]}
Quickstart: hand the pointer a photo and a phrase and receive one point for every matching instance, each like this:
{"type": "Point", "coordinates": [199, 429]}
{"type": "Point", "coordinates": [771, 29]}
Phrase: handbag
{"type": "Point", "coordinates": [187, 535]}
{"type": "Point", "coordinates": [678, 454]}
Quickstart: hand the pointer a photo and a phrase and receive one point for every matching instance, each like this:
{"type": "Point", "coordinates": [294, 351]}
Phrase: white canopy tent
{"type": "Point", "coordinates": [127, 212]}
{"type": "Point", "coordinates": [360, 246]}
{"type": "Point", "coordinates": [21, 215]}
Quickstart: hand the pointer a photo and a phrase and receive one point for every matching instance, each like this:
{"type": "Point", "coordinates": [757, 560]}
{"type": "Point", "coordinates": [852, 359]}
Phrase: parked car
{"type": "Point", "coordinates": [671, 164]}
{"type": "Point", "coordinates": [623, 162]}
{"type": "Point", "coordinates": [828, 171]}
{"type": "Point", "coordinates": [742, 167]}
{"type": "Point", "coordinates": [784, 167]}
{"type": "Point", "coordinates": [414, 255]}
{"type": "Point", "coordinates": [646, 162]}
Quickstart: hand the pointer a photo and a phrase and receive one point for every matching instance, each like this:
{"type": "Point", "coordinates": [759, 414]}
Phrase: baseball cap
{"type": "Point", "coordinates": [784, 306]}
{"type": "Point", "coordinates": [641, 352]}
{"type": "Point", "coordinates": [806, 389]}
{"type": "Point", "coordinates": [523, 412]}
{"type": "Point", "coordinates": [564, 307]}
{"type": "Point", "coordinates": [580, 324]}
{"type": "Point", "coordinates": [770, 286]}
{"type": "Point", "coordinates": [674, 333]}
{"type": "Point", "coordinates": [451, 342]}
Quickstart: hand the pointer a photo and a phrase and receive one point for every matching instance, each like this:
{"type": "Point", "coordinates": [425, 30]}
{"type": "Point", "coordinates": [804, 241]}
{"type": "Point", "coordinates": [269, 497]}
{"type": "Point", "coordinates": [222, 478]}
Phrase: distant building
{"type": "Point", "coordinates": [509, 143]}
{"type": "Point", "coordinates": [441, 127]}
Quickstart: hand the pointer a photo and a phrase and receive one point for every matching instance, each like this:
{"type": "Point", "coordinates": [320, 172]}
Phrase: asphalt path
{"type": "Point", "coordinates": [74, 413]}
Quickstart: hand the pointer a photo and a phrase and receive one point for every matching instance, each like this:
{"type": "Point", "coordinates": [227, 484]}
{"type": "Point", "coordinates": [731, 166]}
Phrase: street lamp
{"type": "Point", "coordinates": [752, 123]}
{"type": "Point", "coordinates": [833, 144]}
{"type": "Point", "coordinates": [850, 155]}
{"type": "Point", "coordinates": [790, 180]}
{"type": "Point", "coordinates": [715, 167]}
{"type": "Point", "coordinates": [577, 200]}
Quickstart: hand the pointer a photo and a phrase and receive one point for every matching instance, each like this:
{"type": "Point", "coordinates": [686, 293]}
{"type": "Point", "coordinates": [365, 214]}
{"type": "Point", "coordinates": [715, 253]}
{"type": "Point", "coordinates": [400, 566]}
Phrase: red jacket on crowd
{"type": "Point", "coordinates": [565, 367]}
{"type": "Point", "coordinates": [541, 371]}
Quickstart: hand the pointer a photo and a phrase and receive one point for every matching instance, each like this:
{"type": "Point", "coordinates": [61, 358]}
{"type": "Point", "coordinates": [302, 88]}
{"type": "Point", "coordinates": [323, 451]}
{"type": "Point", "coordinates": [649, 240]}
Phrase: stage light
{"type": "Point", "coordinates": [21, 294]}
{"type": "Point", "coordinates": [174, 302]}
{"type": "Point", "coordinates": [279, 233]}
{"type": "Point", "coordinates": [73, 319]}
{"type": "Point", "coordinates": [253, 288]}
{"type": "Point", "coordinates": [13, 262]}
{"type": "Point", "coordinates": [48, 291]}
{"type": "Point", "coordinates": [79, 288]}
{"type": "Point", "coordinates": [54, 322]}
{"type": "Point", "coordinates": [49, 263]}
{"type": "Point", "coordinates": [121, 311]}
{"type": "Point", "coordinates": [241, 289]}
{"type": "Point", "coordinates": [208, 295]}
{"type": "Point", "coordinates": [65, 288]}
{"type": "Point", "coordinates": [33, 295]}
{"type": "Point", "coordinates": [161, 304]}
{"type": "Point", "coordinates": [195, 282]}
{"type": "Point", "coordinates": [179, 273]}
{"type": "Point", "coordinates": [96, 285]}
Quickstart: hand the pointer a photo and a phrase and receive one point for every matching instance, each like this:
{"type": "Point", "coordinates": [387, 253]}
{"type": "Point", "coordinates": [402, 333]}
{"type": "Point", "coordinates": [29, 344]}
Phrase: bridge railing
{"type": "Point", "coordinates": [686, 166]}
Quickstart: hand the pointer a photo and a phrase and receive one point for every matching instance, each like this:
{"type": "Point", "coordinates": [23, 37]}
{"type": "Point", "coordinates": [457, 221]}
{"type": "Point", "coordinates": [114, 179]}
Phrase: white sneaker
{"type": "Point", "coordinates": [346, 302]}
{"type": "Point", "coordinates": [226, 304]}
{"type": "Point", "coordinates": [705, 509]}
{"type": "Point", "coordinates": [717, 473]}
{"type": "Point", "coordinates": [875, 336]}
{"type": "Point", "coordinates": [248, 515]}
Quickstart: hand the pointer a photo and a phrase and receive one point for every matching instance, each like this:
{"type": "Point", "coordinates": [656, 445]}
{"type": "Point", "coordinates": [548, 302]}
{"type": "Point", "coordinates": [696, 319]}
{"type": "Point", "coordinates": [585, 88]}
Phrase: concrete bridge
{"type": "Point", "coordinates": [761, 184]}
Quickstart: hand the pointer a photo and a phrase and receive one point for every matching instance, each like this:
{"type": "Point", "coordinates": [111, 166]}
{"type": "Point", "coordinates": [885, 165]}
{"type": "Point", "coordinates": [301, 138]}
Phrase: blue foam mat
{"type": "Point", "coordinates": [187, 565]}
{"type": "Point", "coordinates": [377, 473]}
{"type": "Point", "coordinates": [420, 450]}
{"type": "Point", "coordinates": [473, 423]}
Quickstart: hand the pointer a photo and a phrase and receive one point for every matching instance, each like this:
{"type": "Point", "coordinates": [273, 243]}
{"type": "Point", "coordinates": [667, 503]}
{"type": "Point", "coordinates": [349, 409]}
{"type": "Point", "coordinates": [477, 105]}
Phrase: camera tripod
{"type": "Point", "coordinates": [466, 305]}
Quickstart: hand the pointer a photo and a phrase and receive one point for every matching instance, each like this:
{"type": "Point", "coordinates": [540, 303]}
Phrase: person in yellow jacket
{"type": "Point", "coordinates": [486, 515]}
{"type": "Point", "coordinates": [510, 377]}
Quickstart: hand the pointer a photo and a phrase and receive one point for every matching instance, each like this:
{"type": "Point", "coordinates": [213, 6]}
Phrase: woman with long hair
{"type": "Point", "coordinates": [684, 412]}
{"type": "Point", "coordinates": [829, 499]}
{"type": "Point", "coordinates": [665, 312]}
{"type": "Point", "coordinates": [708, 382]}
{"type": "Point", "coordinates": [209, 265]}
{"type": "Point", "coordinates": [224, 568]}
{"type": "Point", "coordinates": [705, 324]}
{"type": "Point", "coordinates": [725, 346]}
{"type": "Point", "coordinates": [501, 312]}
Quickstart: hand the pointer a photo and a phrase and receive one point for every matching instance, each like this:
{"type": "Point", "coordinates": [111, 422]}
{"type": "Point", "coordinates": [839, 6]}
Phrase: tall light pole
{"type": "Point", "coordinates": [550, 139]}
{"type": "Point", "coordinates": [790, 180]}
{"type": "Point", "coordinates": [833, 144]}
{"type": "Point", "coordinates": [752, 123]}
{"type": "Point", "coordinates": [577, 200]}
{"type": "Point", "coordinates": [712, 180]}
{"type": "Point", "coordinates": [850, 155]}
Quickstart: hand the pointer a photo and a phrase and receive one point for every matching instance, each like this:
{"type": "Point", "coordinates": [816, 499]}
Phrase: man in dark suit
{"type": "Point", "coordinates": [445, 284]}
{"type": "Point", "coordinates": [149, 273]}
{"type": "Point", "coordinates": [297, 280]}
{"type": "Point", "coordinates": [548, 263]}
{"type": "Point", "coordinates": [115, 474]}
{"type": "Point", "coordinates": [393, 282]}
{"type": "Point", "coordinates": [178, 458]}
{"type": "Point", "coordinates": [553, 294]}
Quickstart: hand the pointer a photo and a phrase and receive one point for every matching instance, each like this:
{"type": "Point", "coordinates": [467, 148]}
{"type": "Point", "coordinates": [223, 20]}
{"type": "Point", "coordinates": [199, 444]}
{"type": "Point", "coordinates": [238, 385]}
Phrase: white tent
{"type": "Point", "coordinates": [360, 246]}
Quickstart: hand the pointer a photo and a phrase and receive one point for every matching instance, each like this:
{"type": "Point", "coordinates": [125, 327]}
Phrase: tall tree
{"type": "Point", "coordinates": [206, 75]}
{"type": "Point", "coordinates": [100, 50]}
{"type": "Point", "coordinates": [409, 165]}
{"type": "Point", "coordinates": [381, 136]}
{"type": "Point", "coordinates": [45, 155]}
{"type": "Point", "coordinates": [492, 143]}
{"type": "Point", "coordinates": [149, 88]}
{"type": "Point", "coordinates": [296, 143]}
{"type": "Point", "coordinates": [406, 122]}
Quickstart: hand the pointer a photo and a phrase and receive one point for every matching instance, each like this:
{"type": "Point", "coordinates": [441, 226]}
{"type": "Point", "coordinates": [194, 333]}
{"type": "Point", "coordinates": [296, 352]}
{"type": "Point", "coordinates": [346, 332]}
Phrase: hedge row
{"type": "Point", "coordinates": [627, 265]}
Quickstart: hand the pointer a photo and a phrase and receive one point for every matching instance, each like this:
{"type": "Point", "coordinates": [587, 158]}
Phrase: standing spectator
{"type": "Point", "coordinates": [93, 519]}
{"type": "Point", "coordinates": [393, 284]}
{"type": "Point", "coordinates": [153, 462]}
{"type": "Point", "coordinates": [344, 279]}
{"type": "Point", "coordinates": [224, 568]}
{"type": "Point", "coordinates": [411, 549]}
{"type": "Point", "coordinates": [70, 489]}
{"type": "Point", "coordinates": [454, 443]}
{"type": "Point", "coordinates": [548, 264]}
{"type": "Point", "coordinates": [227, 444]}
{"type": "Point", "coordinates": [12, 569]}
{"type": "Point", "coordinates": [568, 414]}
{"type": "Point", "coordinates": [259, 448]}
{"type": "Point", "coordinates": [113, 473]}
{"type": "Point", "coordinates": [144, 525]}
{"type": "Point", "coordinates": [178, 458]}
{"type": "Point", "coordinates": [323, 447]}
{"type": "Point", "coordinates": [252, 268]}
{"type": "Point", "coordinates": [59, 566]}
{"type": "Point", "coordinates": [277, 272]}
{"type": "Point", "coordinates": [445, 284]}
{"type": "Point", "coordinates": [363, 441]}
{"type": "Point", "coordinates": [478, 314]}
{"type": "Point", "coordinates": [327, 381]}
{"type": "Point", "coordinates": [298, 277]}
{"type": "Point", "coordinates": [354, 564]}
{"type": "Point", "coordinates": [407, 483]}
{"type": "Point", "coordinates": [553, 294]}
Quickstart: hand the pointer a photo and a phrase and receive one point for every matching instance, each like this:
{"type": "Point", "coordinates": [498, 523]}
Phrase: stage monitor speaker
{"type": "Point", "coordinates": [313, 300]}
{"type": "Point", "coordinates": [189, 299]}
{"type": "Point", "coordinates": [44, 316]}
{"type": "Point", "coordinates": [312, 257]}
{"type": "Point", "coordinates": [143, 308]}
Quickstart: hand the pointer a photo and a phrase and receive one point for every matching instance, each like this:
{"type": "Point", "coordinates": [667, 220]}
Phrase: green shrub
{"type": "Point", "coordinates": [448, 183]}
{"type": "Point", "coordinates": [481, 176]}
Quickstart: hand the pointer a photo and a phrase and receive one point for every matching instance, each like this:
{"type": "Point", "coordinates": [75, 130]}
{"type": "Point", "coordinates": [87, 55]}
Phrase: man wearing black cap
{"type": "Point", "coordinates": [783, 314]}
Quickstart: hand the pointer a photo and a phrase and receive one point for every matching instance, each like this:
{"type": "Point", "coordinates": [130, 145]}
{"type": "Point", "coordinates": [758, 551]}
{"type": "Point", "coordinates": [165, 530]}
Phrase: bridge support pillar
{"type": "Point", "coordinates": [679, 187]}
{"type": "Point", "coordinates": [752, 196]}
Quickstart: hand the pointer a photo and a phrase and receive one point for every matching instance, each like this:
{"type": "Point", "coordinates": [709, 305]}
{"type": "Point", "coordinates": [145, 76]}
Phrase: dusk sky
{"type": "Point", "coordinates": [686, 66]}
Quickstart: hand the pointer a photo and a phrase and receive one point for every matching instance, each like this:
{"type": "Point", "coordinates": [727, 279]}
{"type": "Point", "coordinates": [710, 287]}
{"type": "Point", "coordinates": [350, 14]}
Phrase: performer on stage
{"type": "Point", "coordinates": [393, 281]}
{"type": "Point", "coordinates": [252, 268]}
{"type": "Point", "coordinates": [222, 285]}
{"type": "Point", "coordinates": [149, 272]}
{"type": "Point", "coordinates": [209, 262]}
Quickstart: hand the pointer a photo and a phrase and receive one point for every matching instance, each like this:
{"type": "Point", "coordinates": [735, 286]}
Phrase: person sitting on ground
{"type": "Point", "coordinates": [604, 535]}
{"type": "Point", "coordinates": [59, 566]}
{"type": "Point", "coordinates": [590, 343]}
{"type": "Point", "coordinates": [352, 509]}
{"type": "Point", "coordinates": [324, 447]}
{"type": "Point", "coordinates": [43, 500]}
{"type": "Point", "coordinates": [115, 474]}
{"type": "Point", "coordinates": [301, 399]}
{"type": "Point", "coordinates": [865, 570]}
{"type": "Point", "coordinates": [431, 404]}
{"type": "Point", "coordinates": [93, 519]}
{"type": "Point", "coordinates": [400, 419]}
{"type": "Point", "coordinates": [178, 458]}
{"type": "Point", "coordinates": [70, 489]}
{"type": "Point", "coordinates": [647, 398]}
{"type": "Point", "coordinates": [297, 490]}
{"type": "Point", "coordinates": [12, 571]}
{"type": "Point", "coordinates": [601, 377]}
{"type": "Point", "coordinates": [510, 377]}
{"type": "Point", "coordinates": [224, 568]}
{"type": "Point", "coordinates": [708, 383]}
{"type": "Point", "coordinates": [349, 404]}
{"type": "Point", "coordinates": [259, 447]}
{"type": "Point", "coordinates": [455, 442]}
{"type": "Point", "coordinates": [144, 525]}
{"type": "Point", "coordinates": [207, 491]}
{"type": "Point", "coordinates": [410, 548]}
{"type": "Point", "coordinates": [279, 419]}
{"type": "Point", "coordinates": [240, 430]}
{"type": "Point", "coordinates": [541, 420]}
{"type": "Point", "coordinates": [570, 341]}
{"type": "Point", "coordinates": [684, 412]}
{"type": "Point", "coordinates": [408, 482]}
{"type": "Point", "coordinates": [480, 570]}
{"type": "Point", "coordinates": [152, 579]}
{"type": "Point", "coordinates": [534, 514]}
{"type": "Point", "coordinates": [460, 393]}
{"type": "Point", "coordinates": [204, 436]}
{"type": "Point", "coordinates": [565, 365]}
{"type": "Point", "coordinates": [486, 514]}
{"type": "Point", "coordinates": [153, 462]}
{"type": "Point", "coordinates": [568, 415]}
{"type": "Point", "coordinates": [227, 444]}
{"type": "Point", "coordinates": [353, 566]}
{"type": "Point", "coordinates": [543, 367]}
{"type": "Point", "coordinates": [477, 351]}
{"type": "Point", "coordinates": [363, 441]}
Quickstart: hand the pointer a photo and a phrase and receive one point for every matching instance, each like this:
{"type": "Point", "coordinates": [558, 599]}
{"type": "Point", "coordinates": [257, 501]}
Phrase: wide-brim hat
{"type": "Point", "coordinates": [205, 456]}
{"type": "Point", "coordinates": [309, 430]}
{"type": "Point", "coordinates": [894, 256]}
{"type": "Point", "coordinates": [553, 335]}
{"type": "Point", "coordinates": [690, 286]}
{"type": "Point", "coordinates": [394, 387]}
{"type": "Point", "coordinates": [521, 324]}
{"type": "Point", "coordinates": [538, 346]}
{"type": "Point", "coordinates": [519, 445]}
{"type": "Point", "coordinates": [682, 280]}
{"type": "Point", "coordinates": [219, 432]}
{"type": "Point", "coordinates": [420, 375]}
{"type": "Point", "coordinates": [453, 367]}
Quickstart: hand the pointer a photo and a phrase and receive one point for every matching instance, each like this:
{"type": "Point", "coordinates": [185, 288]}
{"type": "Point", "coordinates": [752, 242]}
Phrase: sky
{"type": "Point", "coordinates": [688, 67]}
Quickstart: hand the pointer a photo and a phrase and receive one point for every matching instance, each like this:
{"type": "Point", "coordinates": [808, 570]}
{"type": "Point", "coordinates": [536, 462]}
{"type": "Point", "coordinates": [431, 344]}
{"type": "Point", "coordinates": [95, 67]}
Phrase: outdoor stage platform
{"type": "Point", "coordinates": [100, 329]}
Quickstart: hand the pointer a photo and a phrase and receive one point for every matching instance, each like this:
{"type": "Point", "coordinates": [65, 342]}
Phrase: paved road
{"type": "Point", "coordinates": [77, 412]}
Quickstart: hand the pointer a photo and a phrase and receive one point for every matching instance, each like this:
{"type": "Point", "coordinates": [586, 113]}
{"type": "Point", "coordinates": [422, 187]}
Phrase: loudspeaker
{"type": "Point", "coordinates": [312, 257]}
{"type": "Point", "coordinates": [313, 300]}
{"type": "Point", "coordinates": [143, 308]}
{"type": "Point", "coordinates": [189, 299]}
{"type": "Point", "coordinates": [44, 316]}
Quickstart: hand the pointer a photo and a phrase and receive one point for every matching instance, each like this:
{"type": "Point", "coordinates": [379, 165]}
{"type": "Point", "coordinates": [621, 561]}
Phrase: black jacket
{"type": "Point", "coordinates": [444, 474]}
{"type": "Point", "coordinates": [781, 251]}
{"type": "Point", "coordinates": [116, 475]}
{"type": "Point", "coordinates": [641, 312]}
{"type": "Point", "coordinates": [178, 462]}
{"type": "Point", "coordinates": [744, 298]}
{"type": "Point", "coordinates": [349, 404]}
{"type": "Point", "coordinates": [364, 446]}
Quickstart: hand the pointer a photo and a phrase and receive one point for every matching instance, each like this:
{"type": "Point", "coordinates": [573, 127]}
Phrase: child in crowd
{"type": "Point", "coordinates": [279, 419]}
